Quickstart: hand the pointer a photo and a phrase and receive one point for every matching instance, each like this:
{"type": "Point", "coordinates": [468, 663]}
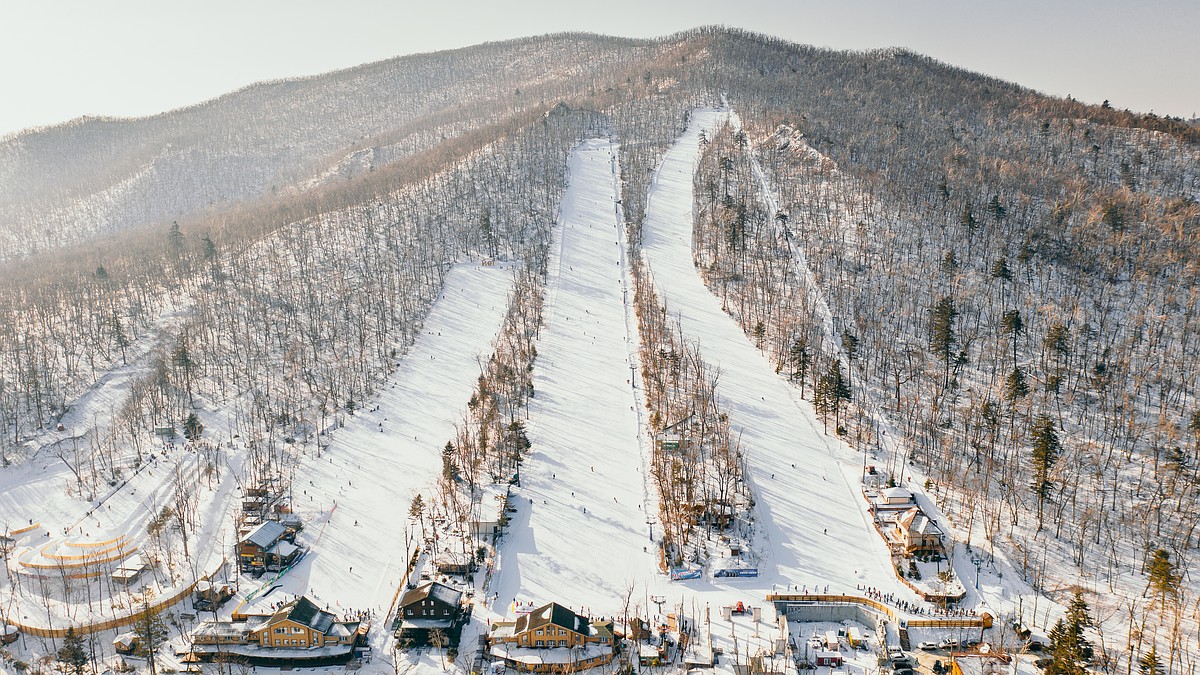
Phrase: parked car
{"type": "Point", "coordinates": [903, 671]}
{"type": "Point", "coordinates": [947, 643]}
{"type": "Point", "coordinates": [927, 646]}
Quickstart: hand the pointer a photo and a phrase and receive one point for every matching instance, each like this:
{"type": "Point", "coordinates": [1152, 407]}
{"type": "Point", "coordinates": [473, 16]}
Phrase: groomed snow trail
{"type": "Point", "coordinates": [580, 535]}
{"type": "Point", "coordinates": [813, 518]}
{"type": "Point", "coordinates": [384, 456]}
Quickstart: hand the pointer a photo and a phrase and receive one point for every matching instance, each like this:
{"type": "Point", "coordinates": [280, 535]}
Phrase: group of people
{"type": "Point", "coordinates": [912, 607]}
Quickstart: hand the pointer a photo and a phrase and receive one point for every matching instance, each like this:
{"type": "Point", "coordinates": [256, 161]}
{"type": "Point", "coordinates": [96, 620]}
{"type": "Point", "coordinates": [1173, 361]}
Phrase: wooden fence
{"type": "Point", "coordinates": [117, 622]}
{"type": "Point", "coordinates": [982, 621]}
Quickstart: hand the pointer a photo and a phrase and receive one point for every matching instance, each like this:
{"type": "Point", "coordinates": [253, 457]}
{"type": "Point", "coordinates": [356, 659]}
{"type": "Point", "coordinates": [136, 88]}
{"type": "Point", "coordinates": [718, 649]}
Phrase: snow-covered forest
{"type": "Point", "coordinates": [985, 293]}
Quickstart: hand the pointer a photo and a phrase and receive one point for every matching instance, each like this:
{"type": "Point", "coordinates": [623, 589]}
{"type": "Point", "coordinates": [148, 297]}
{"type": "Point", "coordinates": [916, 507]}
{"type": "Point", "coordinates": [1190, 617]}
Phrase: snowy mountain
{"type": "Point", "coordinates": [673, 325]}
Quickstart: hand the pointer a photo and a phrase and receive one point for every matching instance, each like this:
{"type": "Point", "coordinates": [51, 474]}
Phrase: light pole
{"type": "Point", "coordinates": [978, 562]}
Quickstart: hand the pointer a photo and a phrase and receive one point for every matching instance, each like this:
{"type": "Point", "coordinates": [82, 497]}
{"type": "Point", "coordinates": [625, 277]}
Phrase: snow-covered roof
{"type": "Point", "coordinates": [265, 534]}
{"type": "Point", "coordinates": [433, 589]}
{"type": "Point", "coordinates": [283, 549]}
{"type": "Point", "coordinates": [913, 520]}
{"type": "Point", "coordinates": [552, 613]}
{"type": "Point", "coordinates": [896, 493]}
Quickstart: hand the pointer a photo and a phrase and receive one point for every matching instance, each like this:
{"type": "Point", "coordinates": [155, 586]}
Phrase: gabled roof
{"type": "Point", "coordinates": [913, 520]}
{"type": "Point", "coordinates": [438, 591]}
{"type": "Point", "coordinates": [265, 534]}
{"type": "Point", "coordinates": [555, 614]}
{"type": "Point", "coordinates": [304, 612]}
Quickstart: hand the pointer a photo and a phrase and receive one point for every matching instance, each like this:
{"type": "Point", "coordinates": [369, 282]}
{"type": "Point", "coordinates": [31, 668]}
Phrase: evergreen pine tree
{"type": "Point", "coordinates": [1045, 453]}
{"type": "Point", "coordinates": [941, 332]}
{"type": "Point", "coordinates": [968, 219]}
{"type": "Point", "coordinates": [997, 209]}
{"type": "Point", "coordinates": [1012, 324]}
{"type": "Point", "coordinates": [1015, 386]}
{"type": "Point", "coordinates": [175, 241]}
{"type": "Point", "coordinates": [72, 653]}
{"type": "Point", "coordinates": [1069, 649]}
{"type": "Point", "coordinates": [1149, 663]}
{"type": "Point", "coordinates": [949, 262]}
{"type": "Point", "coordinates": [192, 427]}
{"type": "Point", "coordinates": [151, 631]}
{"type": "Point", "coordinates": [1001, 270]}
{"type": "Point", "coordinates": [119, 337]}
{"type": "Point", "coordinates": [449, 467]}
{"type": "Point", "coordinates": [800, 360]}
{"type": "Point", "coordinates": [1164, 578]}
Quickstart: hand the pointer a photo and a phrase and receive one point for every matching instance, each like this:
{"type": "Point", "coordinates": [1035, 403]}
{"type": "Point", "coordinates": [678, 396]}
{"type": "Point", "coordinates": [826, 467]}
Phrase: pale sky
{"type": "Point", "coordinates": [63, 59]}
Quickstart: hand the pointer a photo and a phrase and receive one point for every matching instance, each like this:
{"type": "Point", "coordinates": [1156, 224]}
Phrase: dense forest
{"type": "Point", "coordinates": [1001, 281]}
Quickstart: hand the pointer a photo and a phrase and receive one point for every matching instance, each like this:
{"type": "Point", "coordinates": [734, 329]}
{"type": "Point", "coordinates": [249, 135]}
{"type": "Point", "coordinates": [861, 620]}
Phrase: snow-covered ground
{"type": "Point", "coordinates": [37, 490]}
{"type": "Point", "coordinates": [580, 536]}
{"type": "Point", "coordinates": [354, 497]}
{"type": "Point", "coordinates": [812, 515]}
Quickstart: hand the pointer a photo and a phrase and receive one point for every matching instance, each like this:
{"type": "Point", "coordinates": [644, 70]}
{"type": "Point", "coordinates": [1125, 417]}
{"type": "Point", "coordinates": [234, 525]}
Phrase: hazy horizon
{"type": "Point", "coordinates": [143, 58]}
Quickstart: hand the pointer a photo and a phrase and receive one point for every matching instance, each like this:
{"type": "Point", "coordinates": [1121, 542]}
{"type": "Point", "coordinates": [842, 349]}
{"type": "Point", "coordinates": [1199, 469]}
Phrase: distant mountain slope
{"type": "Point", "coordinates": [992, 257]}
{"type": "Point", "coordinates": [94, 176]}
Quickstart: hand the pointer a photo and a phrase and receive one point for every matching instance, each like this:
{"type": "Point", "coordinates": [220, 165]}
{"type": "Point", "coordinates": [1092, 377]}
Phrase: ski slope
{"type": "Point", "coordinates": [580, 535]}
{"type": "Point", "coordinates": [354, 497]}
{"type": "Point", "coordinates": [813, 518]}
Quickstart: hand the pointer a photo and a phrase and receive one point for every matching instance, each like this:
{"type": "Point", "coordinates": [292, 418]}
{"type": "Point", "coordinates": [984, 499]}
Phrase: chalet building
{"type": "Point", "coordinates": [914, 533]}
{"type": "Point", "coordinates": [269, 547]}
{"type": "Point", "coordinates": [130, 571]}
{"type": "Point", "coordinates": [552, 637]}
{"type": "Point", "coordinates": [125, 643]}
{"type": "Point", "coordinates": [427, 610]}
{"type": "Point", "coordinates": [207, 596]}
{"type": "Point", "coordinates": [298, 633]}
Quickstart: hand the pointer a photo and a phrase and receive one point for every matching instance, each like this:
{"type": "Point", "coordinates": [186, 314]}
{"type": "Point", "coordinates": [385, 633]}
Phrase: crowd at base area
{"type": "Point", "coordinates": [913, 607]}
{"type": "Point", "coordinates": [349, 614]}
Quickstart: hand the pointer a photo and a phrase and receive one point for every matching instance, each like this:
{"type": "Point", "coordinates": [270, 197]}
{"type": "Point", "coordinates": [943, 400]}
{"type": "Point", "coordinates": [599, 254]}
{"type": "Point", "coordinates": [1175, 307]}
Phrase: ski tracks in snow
{"type": "Point", "coordinates": [582, 537]}
{"type": "Point", "coordinates": [811, 517]}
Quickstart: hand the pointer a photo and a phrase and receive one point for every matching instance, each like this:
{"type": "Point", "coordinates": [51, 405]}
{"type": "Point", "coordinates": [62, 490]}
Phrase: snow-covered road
{"type": "Point", "coordinates": [580, 536]}
{"type": "Point", "coordinates": [816, 530]}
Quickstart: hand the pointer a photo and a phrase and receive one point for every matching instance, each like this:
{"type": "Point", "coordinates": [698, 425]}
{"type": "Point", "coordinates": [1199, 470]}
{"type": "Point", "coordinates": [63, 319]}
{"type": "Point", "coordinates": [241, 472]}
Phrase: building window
{"type": "Point", "coordinates": [540, 643]}
{"type": "Point", "coordinates": [562, 643]}
{"type": "Point", "coordinates": [539, 631]}
{"type": "Point", "coordinates": [279, 631]}
{"type": "Point", "coordinates": [445, 612]}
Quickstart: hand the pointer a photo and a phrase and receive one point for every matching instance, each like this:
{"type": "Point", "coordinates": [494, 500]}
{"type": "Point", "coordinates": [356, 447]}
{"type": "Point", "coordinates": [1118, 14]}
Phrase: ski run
{"type": "Point", "coordinates": [581, 513]}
